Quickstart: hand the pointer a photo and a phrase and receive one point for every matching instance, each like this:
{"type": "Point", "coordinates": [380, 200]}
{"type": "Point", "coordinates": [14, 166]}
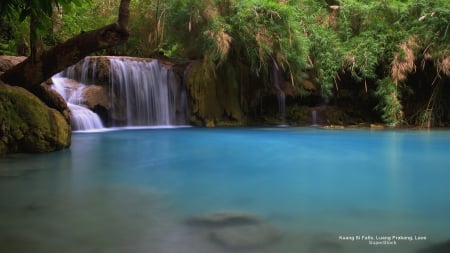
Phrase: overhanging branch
{"type": "Point", "coordinates": [30, 73]}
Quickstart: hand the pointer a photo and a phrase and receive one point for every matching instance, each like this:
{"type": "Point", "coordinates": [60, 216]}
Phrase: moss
{"type": "Point", "coordinates": [28, 125]}
{"type": "Point", "coordinates": [215, 99]}
{"type": "Point", "coordinates": [298, 115]}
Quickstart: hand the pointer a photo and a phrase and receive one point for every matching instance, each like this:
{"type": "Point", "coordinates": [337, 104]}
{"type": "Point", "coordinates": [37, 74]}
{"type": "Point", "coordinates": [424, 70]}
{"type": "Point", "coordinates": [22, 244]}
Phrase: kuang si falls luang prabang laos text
{"type": "Point", "coordinates": [189, 126]}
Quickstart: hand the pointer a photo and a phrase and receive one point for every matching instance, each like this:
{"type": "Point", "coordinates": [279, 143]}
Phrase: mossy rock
{"type": "Point", "coordinates": [214, 98]}
{"type": "Point", "coordinates": [28, 125]}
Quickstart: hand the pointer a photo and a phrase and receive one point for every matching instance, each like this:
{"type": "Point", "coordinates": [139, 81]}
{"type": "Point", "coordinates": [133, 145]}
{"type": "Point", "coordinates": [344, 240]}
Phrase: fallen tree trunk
{"type": "Point", "coordinates": [32, 72]}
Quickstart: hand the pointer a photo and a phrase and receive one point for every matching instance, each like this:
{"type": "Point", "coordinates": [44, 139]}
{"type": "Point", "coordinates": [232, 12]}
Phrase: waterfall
{"type": "Point", "coordinates": [84, 72]}
{"type": "Point", "coordinates": [127, 91]}
{"type": "Point", "coordinates": [81, 118]}
{"type": "Point", "coordinates": [280, 94]}
{"type": "Point", "coordinates": [59, 85]}
{"type": "Point", "coordinates": [149, 91]}
{"type": "Point", "coordinates": [314, 118]}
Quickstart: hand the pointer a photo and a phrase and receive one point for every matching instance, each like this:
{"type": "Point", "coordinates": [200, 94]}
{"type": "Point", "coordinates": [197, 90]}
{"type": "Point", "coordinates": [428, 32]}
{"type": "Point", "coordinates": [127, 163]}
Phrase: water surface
{"type": "Point", "coordinates": [132, 190]}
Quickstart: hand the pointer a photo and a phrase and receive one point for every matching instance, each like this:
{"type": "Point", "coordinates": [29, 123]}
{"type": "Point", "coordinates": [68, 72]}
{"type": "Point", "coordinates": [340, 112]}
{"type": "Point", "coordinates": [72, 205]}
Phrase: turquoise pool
{"type": "Point", "coordinates": [321, 190]}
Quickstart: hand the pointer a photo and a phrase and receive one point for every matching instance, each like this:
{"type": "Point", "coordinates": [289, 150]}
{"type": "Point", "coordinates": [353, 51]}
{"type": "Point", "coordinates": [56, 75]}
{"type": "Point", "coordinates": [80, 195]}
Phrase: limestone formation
{"type": "Point", "coordinates": [214, 100]}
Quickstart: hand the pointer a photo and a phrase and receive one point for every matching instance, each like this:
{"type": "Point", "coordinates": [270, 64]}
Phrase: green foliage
{"type": "Point", "coordinates": [256, 33]}
{"type": "Point", "coordinates": [12, 34]}
{"type": "Point", "coordinates": [77, 19]}
{"type": "Point", "coordinates": [327, 55]}
{"type": "Point", "coordinates": [376, 41]}
{"type": "Point", "coordinates": [389, 105]}
{"type": "Point", "coordinates": [39, 13]}
{"type": "Point", "coordinates": [148, 28]}
{"type": "Point", "coordinates": [385, 40]}
{"type": "Point", "coordinates": [268, 31]}
{"type": "Point", "coordinates": [38, 8]}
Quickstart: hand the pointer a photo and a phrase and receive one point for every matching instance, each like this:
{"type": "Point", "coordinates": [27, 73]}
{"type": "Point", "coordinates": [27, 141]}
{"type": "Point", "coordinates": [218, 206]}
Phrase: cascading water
{"type": "Point", "coordinates": [314, 118]}
{"type": "Point", "coordinates": [149, 91]}
{"type": "Point", "coordinates": [84, 72]}
{"type": "Point", "coordinates": [138, 92]}
{"type": "Point", "coordinates": [81, 118]}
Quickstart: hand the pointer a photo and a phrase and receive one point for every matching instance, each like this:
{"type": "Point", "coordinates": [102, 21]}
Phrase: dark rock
{"type": "Point", "coordinates": [236, 230]}
{"type": "Point", "coordinates": [443, 247]}
{"type": "Point", "coordinates": [245, 236]}
{"type": "Point", "coordinates": [52, 99]}
{"type": "Point", "coordinates": [224, 219]}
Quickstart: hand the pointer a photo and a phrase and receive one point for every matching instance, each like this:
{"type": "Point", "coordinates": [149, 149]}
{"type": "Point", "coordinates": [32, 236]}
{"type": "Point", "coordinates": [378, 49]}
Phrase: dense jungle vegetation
{"type": "Point", "coordinates": [397, 51]}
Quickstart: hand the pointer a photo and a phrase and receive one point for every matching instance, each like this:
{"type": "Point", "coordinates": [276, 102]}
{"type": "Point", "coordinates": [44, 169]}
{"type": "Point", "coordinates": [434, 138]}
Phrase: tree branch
{"type": "Point", "coordinates": [30, 73]}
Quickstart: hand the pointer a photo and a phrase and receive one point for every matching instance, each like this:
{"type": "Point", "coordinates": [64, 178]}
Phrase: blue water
{"type": "Point", "coordinates": [132, 190]}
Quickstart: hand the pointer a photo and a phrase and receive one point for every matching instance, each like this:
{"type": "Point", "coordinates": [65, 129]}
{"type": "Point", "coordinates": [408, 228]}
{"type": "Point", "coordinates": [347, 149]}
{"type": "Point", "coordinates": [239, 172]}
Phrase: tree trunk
{"type": "Point", "coordinates": [35, 38]}
{"type": "Point", "coordinates": [32, 72]}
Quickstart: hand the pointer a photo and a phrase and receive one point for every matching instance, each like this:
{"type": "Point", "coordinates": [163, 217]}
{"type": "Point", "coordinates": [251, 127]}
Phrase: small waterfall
{"type": "Point", "coordinates": [81, 118]}
{"type": "Point", "coordinates": [149, 91]}
{"type": "Point", "coordinates": [281, 96]}
{"type": "Point", "coordinates": [84, 72]}
{"type": "Point", "coordinates": [314, 118]}
{"type": "Point", "coordinates": [139, 92]}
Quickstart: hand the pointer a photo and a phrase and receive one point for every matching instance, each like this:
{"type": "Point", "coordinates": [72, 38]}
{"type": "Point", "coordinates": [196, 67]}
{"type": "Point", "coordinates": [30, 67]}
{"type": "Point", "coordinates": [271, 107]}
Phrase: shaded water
{"type": "Point", "coordinates": [132, 191]}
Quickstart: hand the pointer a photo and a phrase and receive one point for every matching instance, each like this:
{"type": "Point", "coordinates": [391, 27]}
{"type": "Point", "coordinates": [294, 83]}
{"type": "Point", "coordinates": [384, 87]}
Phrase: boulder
{"type": "Point", "coordinates": [52, 99]}
{"type": "Point", "coordinates": [96, 95]}
{"type": "Point", "coordinates": [28, 125]}
{"type": "Point", "coordinates": [43, 91]}
{"type": "Point", "coordinates": [100, 100]}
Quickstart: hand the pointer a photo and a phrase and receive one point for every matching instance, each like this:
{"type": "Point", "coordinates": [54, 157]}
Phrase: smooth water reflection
{"type": "Point", "coordinates": [131, 191]}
